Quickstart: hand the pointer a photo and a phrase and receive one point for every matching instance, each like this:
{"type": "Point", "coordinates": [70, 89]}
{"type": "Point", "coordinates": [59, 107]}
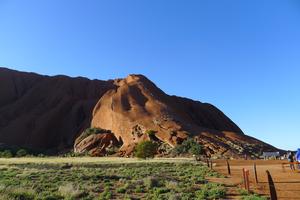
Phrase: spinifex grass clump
{"type": "Point", "coordinates": [142, 180]}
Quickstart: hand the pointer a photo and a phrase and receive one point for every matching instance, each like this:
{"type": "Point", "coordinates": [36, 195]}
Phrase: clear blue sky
{"type": "Point", "coordinates": [242, 56]}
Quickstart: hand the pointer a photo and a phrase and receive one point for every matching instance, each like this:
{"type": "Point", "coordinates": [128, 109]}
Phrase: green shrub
{"type": "Point", "coordinates": [248, 196]}
{"type": "Point", "coordinates": [112, 150]}
{"type": "Point", "coordinates": [139, 189]}
{"type": "Point", "coordinates": [189, 146]}
{"type": "Point", "coordinates": [21, 153]}
{"type": "Point", "coordinates": [6, 154]}
{"type": "Point", "coordinates": [195, 149]}
{"type": "Point", "coordinates": [159, 191]}
{"type": "Point", "coordinates": [152, 182]}
{"type": "Point", "coordinates": [211, 191]}
{"type": "Point", "coordinates": [121, 190]}
{"type": "Point", "coordinates": [106, 194]}
{"type": "Point", "coordinates": [21, 196]}
{"type": "Point", "coordinates": [146, 149]}
{"type": "Point", "coordinates": [150, 133]}
{"type": "Point", "coordinates": [243, 192]}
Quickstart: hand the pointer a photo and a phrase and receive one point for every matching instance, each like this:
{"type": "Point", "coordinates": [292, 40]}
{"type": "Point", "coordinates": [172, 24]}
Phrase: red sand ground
{"type": "Point", "coordinates": [287, 182]}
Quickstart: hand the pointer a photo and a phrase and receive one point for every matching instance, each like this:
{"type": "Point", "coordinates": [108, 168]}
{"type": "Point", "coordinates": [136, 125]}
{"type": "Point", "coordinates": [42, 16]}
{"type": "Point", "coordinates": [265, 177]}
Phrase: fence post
{"type": "Point", "coordinates": [228, 167]}
{"type": "Point", "coordinates": [272, 188]}
{"type": "Point", "coordinates": [255, 173]}
{"type": "Point", "coordinates": [207, 162]}
{"type": "Point", "coordinates": [246, 179]}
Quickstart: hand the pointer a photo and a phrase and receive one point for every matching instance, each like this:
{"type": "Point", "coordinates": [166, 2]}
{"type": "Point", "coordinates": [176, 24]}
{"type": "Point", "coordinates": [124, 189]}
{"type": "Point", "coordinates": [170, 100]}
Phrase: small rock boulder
{"type": "Point", "coordinates": [95, 144]}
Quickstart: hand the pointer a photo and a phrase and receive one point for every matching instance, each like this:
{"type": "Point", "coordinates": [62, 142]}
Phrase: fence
{"type": "Point", "coordinates": [246, 179]}
{"type": "Point", "coordinates": [257, 181]}
{"type": "Point", "coordinates": [291, 165]}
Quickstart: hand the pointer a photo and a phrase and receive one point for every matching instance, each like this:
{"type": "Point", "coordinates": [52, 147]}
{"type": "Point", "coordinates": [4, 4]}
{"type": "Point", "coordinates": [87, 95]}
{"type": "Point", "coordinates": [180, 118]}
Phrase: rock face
{"type": "Point", "coordinates": [45, 112]}
{"type": "Point", "coordinates": [136, 106]}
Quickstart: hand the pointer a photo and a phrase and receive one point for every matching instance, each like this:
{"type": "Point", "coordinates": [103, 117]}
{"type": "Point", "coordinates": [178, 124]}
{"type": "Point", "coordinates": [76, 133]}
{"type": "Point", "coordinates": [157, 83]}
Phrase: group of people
{"type": "Point", "coordinates": [292, 158]}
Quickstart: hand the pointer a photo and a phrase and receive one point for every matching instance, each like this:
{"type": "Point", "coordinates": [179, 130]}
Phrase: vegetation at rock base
{"type": "Point", "coordinates": [10, 153]}
{"type": "Point", "coordinates": [150, 133]}
{"type": "Point", "coordinates": [6, 154]}
{"type": "Point", "coordinates": [189, 146]}
{"type": "Point", "coordinates": [21, 153]}
{"type": "Point", "coordinates": [146, 149]}
{"type": "Point", "coordinates": [89, 181]}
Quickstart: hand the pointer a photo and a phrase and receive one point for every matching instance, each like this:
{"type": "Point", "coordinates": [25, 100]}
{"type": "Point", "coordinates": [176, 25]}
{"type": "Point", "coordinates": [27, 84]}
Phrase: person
{"type": "Point", "coordinates": [298, 157]}
{"type": "Point", "coordinates": [291, 160]}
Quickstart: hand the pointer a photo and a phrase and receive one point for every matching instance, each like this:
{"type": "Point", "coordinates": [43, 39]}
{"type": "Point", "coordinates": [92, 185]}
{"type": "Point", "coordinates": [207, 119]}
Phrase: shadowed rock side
{"type": "Point", "coordinates": [136, 106]}
{"type": "Point", "coordinates": [44, 112]}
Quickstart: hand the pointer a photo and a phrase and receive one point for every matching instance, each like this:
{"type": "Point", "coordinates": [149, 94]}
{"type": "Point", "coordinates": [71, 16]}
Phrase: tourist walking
{"type": "Point", "coordinates": [298, 158]}
{"type": "Point", "coordinates": [291, 160]}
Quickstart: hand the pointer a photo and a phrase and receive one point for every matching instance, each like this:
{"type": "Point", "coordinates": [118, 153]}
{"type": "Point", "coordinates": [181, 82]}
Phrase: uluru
{"type": "Point", "coordinates": [51, 114]}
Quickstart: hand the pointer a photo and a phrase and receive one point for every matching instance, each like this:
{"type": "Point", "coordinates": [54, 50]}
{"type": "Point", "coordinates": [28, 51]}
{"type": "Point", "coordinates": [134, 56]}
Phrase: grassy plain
{"type": "Point", "coordinates": [106, 178]}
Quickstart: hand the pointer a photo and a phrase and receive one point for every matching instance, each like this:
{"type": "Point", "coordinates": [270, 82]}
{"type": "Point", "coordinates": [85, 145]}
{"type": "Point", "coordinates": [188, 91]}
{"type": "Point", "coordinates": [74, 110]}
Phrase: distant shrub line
{"type": "Point", "coordinates": [143, 150]}
{"type": "Point", "coordinates": [7, 153]}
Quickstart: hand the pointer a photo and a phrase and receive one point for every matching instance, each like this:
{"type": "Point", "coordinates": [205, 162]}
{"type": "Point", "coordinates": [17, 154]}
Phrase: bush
{"type": "Point", "coordinates": [106, 194]}
{"type": "Point", "coordinates": [69, 190]}
{"type": "Point", "coordinates": [211, 191]}
{"type": "Point", "coordinates": [121, 190]}
{"type": "Point", "coordinates": [146, 149]}
{"type": "Point", "coordinates": [6, 154]}
{"type": "Point", "coordinates": [189, 146]}
{"type": "Point", "coordinates": [21, 196]}
{"type": "Point", "coordinates": [151, 133]}
{"type": "Point", "coordinates": [152, 182]}
{"type": "Point", "coordinates": [21, 153]}
{"type": "Point", "coordinates": [112, 150]}
{"type": "Point", "coordinates": [248, 196]}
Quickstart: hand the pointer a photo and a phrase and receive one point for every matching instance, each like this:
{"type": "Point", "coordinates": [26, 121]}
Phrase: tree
{"type": "Point", "coordinates": [195, 149]}
{"type": "Point", "coordinates": [6, 154]}
{"type": "Point", "coordinates": [21, 153]}
{"type": "Point", "coordinates": [146, 149]}
{"type": "Point", "coordinates": [151, 133]}
{"type": "Point", "coordinates": [189, 146]}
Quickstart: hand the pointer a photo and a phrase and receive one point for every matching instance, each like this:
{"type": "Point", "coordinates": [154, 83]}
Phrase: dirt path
{"type": "Point", "coordinates": [287, 182]}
